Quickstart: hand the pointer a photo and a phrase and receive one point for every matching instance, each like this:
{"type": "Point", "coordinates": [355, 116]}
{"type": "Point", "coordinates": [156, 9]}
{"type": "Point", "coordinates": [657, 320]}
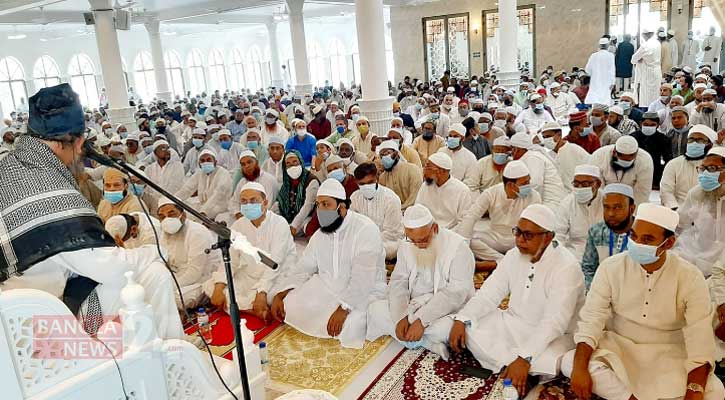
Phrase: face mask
{"type": "Point", "coordinates": [539, 107]}
{"type": "Point", "coordinates": [435, 116]}
{"type": "Point", "coordinates": [171, 225]}
{"type": "Point", "coordinates": [363, 129]}
{"type": "Point", "coordinates": [340, 130]}
{"type": "Point", "coordinates": [624, 164]}
{"type": "Point", "coordinates": [208, 167]}
{"type": "Point", "coordinates": [368, 191]}
{"type": "Point", "coordinates": [586, 131]}
{"type": "Point", "coordinates": [499, 123]}
{"type": "Point", "coordinates": [327, 217]}
{"type": "Point", "coordinates": [388, 162]}
{"type": "Point", "coordinates": [113, 197]}
{"type": "Point", "coordinates": [500, 158]}
{"type": "Point", "coordinates": [508, 102]}
{"type": "Point", "coordinates": [549, 143]}
{"type": "Point", "coordinates": [596, 121]}
{"type": "Point", "coordinates": [148, 149]}
{"type": "Point", "coordinates": [565, 89]}
{"type": "Point", "coordinates": [583, 195]}
{"type": "Point", "coordinates": [301, 133]}
{"type": "Point", "coordinates": [695, 150]}
{"type": "Point", "coordinates": [124, 135]}
{"type": "Point", "coordinates": [418, 106]}
{"type": "Point", "coordinates": [625, 105]}
{"type": "Point", "coordinates": [252, 144]}
{"type": "Point", "coordinates": [226, 145]}
{"type": "Point", "coordinates": [252, 211]}
{"type": "Point", "coordinates": [197, 142]}
{"type": "Point", "coordinates": [413, 345]}
{"type": "Point", "coordinates": [453, 142]}
{"type": "Point", "coordinates": [665, 99]}
{"type": "Point", "coordinates": [270, 120]}
{"type": "Point", "coordinates": [137, 188]}
{"type": "Point", "coordinates": [338, 175]}
{"type": "Point", "coordinates": [649, 130]}
{"type": "Point", "coordinates": [709, 181]}
{"type": "Point", "coordinates": [524, 191]}
{"type": "Point", "coordinates": [642, 254]}
{"type": "Point", "coordinates": [355, 117]}
{"type": "Point", "coordinates": [463, 111]}
{"type": "Point", "coordinates": [427, 135]}
{"type": "Point", "coordinates": [484, 126]}
{"type": "Point", "coordinates": [256, 115]}
{"type": "Point", "coordinates": [294, 172]}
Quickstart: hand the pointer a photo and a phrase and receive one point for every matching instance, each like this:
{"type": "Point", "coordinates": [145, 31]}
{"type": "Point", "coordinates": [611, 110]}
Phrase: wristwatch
{"type": "Point", "coordinates": [695, 387]}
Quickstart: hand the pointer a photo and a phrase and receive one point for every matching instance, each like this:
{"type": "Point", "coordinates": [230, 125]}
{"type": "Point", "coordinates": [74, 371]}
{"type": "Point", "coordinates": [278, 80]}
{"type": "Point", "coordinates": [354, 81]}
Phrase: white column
{"type": "Point", "coordinates": [376, 103]}
{"type": "Point", "coordinates": [299, 46]}
{"type": "Point", "coordinates": [508, 74]}
{"type": "Point", "coordinates": [157, 55]}
{"type": "Point", "coordinates": [110, 56]}
{"type": "Point", "coordinates": [277, 80]}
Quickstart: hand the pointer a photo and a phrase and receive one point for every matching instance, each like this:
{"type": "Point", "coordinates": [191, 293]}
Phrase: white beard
{"type": "Point", "coordinates": [426, 258]}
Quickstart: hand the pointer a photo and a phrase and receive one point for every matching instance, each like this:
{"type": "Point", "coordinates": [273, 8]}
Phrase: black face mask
{"type": "Point", "coordinates": [508, 102]}
{"type": "Point", "coordinates": [428, 135]}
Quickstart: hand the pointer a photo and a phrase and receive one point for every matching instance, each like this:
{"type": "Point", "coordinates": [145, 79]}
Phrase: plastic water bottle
{"type": "Point", "coordinates": [202, 319]}
{"type": "Point", "coordinates": [264, 357]}
{"type": "Point", "coordinates": [509, 391]}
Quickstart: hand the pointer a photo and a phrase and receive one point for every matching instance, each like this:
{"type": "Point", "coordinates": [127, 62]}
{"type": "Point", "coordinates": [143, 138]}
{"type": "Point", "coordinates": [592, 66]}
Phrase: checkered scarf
{"type": "Point", "coordinates": [42, 213]}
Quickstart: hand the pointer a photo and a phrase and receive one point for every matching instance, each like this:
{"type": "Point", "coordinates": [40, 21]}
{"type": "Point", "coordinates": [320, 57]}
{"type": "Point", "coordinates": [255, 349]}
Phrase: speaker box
{"type": "Point", "coordinates": [123, 20]}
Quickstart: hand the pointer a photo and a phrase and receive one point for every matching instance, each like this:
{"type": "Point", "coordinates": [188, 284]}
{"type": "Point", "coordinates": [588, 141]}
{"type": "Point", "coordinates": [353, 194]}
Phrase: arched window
{"type": "Point", "coordinates": [195, 68]}
{"type": "Point", "coordinates": [12, 84]}
{"type": "Point", "coordinates": [236, 69]}
{"type": "Point", "coordinates": [143, 75]}
{"type": "Point", "coordinates": [253, 69]}
{"type": "Point", "coordinates": [389, 60]}
{"type": "Point", "coordinates": [217, 75]}
{"type": "Point", "coordinates": [174, 73]}
{"type": "Point", "coordinates": [355, 62]}
{"type": "Point", "coordinates": [46, 73]}
{"type": "Point", "coordinates": [83, 79]}
{"type": "Point", "coordinates": [318, 71]}
{"type": "Point", "coordinates": [338, 63]}
{"type": "Point", "coordinates": [267, 68]}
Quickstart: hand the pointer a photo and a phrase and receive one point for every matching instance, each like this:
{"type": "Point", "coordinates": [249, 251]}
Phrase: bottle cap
{"type": "Point", "coordinates": [201, 309]}
{"type": "Point", "coordinates": [262, 345]}
{"type": "Point", "coordinates": [507, 382]}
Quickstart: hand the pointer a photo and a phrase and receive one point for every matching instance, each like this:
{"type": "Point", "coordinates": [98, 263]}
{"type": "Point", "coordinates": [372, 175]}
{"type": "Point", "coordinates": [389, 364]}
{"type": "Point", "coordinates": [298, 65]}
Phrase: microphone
{"type": "Point", "coordinates": [90, 152]}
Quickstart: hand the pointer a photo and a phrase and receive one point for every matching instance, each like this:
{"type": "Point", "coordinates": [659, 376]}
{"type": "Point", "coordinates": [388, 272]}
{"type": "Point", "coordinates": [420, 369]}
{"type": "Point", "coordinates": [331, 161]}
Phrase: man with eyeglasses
{"type": "Point", "coordinates": [491, 237]}
{"type": "Point", "coordinates": [645, 331]}
{"type": "Point", "coordinates": [624, 162]}
{"type": "Point", "coordinates": [680, 174]}
{"type": "Point", "coordinates": [545, 286]}
{"type": "Point", "coordinates": [432, 279]}
{"type": "Point", "coordinates": [702, 241]}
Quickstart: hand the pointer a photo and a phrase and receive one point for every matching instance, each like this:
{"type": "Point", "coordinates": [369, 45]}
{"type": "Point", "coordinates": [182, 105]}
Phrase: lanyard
{"type": "Point", "coordinates": [611, 243]}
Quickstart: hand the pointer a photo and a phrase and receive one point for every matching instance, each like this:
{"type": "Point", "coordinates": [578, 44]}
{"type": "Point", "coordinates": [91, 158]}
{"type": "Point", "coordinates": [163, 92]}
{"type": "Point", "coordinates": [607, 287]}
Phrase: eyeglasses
{"type": "Point", "coordinates": [700, 141]}
{"type": "Point", "coordinates": [710, 168]}
{"type": "Point", "coordinates": [588, 184]}
{"type": "Point", "coordinates": [526, 234]}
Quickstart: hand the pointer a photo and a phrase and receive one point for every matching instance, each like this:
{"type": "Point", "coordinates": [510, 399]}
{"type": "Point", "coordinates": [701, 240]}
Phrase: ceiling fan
{"type": "Point", "coordinates": [43, 20]}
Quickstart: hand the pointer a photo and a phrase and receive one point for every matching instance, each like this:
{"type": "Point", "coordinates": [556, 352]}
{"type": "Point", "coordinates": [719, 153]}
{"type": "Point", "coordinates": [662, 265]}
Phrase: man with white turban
{"type": "Point", "coordinates": [398, 175]}
{"type": "Point", "coordinates": [133, 230]}
{"type": "Point", "coordinates": [208, 190]}
{"type": "Point", "coordinates": [545, 287]}
{"type": "Point", "coordinates": [463, 160]}
{"type": "Point", "coordinates": [491, 238]}
{"type": "Point", "coordinates": [446, 197]}
{"type": "Point", "coordinates": [624, 162]}
{"type": "Point", "coordinates": [489, 169]}
{"type": "Point", "coordinates": [567, 156]}
{"type": "Point", "coordinates": [432, 279]}
{"type": "Point", "coordinates": [266, 231]}
{"type": "Point", "coordinates": [167, 172]}
{"type": "Point", "coordinates": [328, 292]}
{"type": "Point", "coordinates": [580, 209]}
{"type": "Point", "coordinates": [647, 310]}
{"type": "Point", "coordinates": [545, 177]}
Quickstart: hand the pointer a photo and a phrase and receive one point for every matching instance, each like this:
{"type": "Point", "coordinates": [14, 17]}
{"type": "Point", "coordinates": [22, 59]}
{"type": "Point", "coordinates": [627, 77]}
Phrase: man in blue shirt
{"type": "Point", "coordinates": [302, 141]}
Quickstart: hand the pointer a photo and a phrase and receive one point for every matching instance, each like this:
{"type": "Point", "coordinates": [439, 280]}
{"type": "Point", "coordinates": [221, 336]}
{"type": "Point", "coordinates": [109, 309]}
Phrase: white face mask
{"type": "Point", "coordinates": [368, 191]}
{"type": "Point", "coordinates": [499, 123]}
{"type": "Point", "coordinates": [549, 143]}
{"type": "Point", "coordinates": [294, 172]}
{"type": "Point", "coordinates": [301, 133]}
{"type": "Point", "coordinates": [171, 225]}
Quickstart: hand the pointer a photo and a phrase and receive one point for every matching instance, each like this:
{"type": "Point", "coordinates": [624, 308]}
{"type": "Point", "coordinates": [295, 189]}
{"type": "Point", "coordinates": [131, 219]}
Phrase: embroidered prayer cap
{"type": "Point", "coordinates": [458, 128]}
{"type": "Point", "coordinates": [588, 170]}
{"type": "Point", "coordinates": [521, 140]}
{"type": "Point", "coordinates": [577, 116]}
{"type": "Point", "coordinates": [254, 186]}
{"type": "Point", "coordinates": [388, 144]}
{"type": "Point", "coordinates": [275, 140]}
{"type": "Point", "coordinates": [160, 143]}
{"type": "Point", "coordinates": [512, 110]}
{"type": "Point", "coordinates": [441, 160]}
{"type": "Point", "coordinates": [502, 141]}
{"type": "Point", "coordinates": [111, 173]}
{"type": "Point", "coordinates": [626, 145]}
{"type": "Point", "coordinates": [515, 169]}
{"type": "Point", "coordinates": [316, 109]}
{"type": "Point", "coordinates": [209, 152]}
{"type": "Point", "coordinates": [326, 143]}
{"type": "Point", "coordinates": [619, 188]}
{"type": "Point", "coordinates": [247, 153]}
{"type": "Point", "coordinates": [551, 126]}
{"type": "Point", "coordinates": [332, 188]}
{"type": "Point", "coordinates": [600, 107]}
{"type": "Point", "coordinates": [117, 226]}
{"type": "Point", "coordinates": [56, 111]}
{"type": "Point", "coordinates": [618, 110]}
{"type": "Point", "coordinates": [541, 215]}
{"type": "Point", "coordinates": [705, 130]}
{"type": "Point", "coordinates": [658, 215]}
{"type": "Point", "coordinates": [681, 109]}
{"type": "Point", "coordinates": [135, 136]}
{"type": "Point", "coordinates": [417, 216]}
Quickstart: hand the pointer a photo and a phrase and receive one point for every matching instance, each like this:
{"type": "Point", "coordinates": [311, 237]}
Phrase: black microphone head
{"type": "Point", "coordinates": [91, 153]}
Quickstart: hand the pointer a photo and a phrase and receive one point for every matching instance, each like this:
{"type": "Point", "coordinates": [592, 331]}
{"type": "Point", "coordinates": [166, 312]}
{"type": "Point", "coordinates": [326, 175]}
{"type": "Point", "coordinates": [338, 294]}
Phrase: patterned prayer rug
{"type": "Point", "coordinates": [558, 389]}
{"type": "Point", "coordinates": [298, 361]}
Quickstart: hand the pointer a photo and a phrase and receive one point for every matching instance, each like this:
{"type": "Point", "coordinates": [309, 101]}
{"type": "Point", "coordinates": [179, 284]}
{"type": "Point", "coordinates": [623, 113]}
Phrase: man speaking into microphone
{"type": "Point", "coordinates": [51, 238]}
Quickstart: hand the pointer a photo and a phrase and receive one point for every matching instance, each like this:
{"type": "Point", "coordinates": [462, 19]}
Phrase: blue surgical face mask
{"type": "Point", "coordinates": [484, 127]}
{"type": "Point", "coordinates": [453, 142]}
{"type": "Point", "coordinates": [586, 131]}
{"type": "Point", "coordinates": [583, 195]}
{"type": "Point", "coordinates": [226, 145]}
{"type": "Point", "coordinates": [252, 144]}
{"type": "Point", "coordinates": [256, 115]}
{"type": "Point", "coordinates": [642, 254]}
{"type": "Point", "coordinates": [625, 105]}
{"type": "Point", "coordinates": [524, 190]}
{"type": "Point", "coordinates": [338, 175]}
{"type": "Point", "coordinates": [252, 211]}
{"type": "Point", "coordinates": [418, 106]}
{"type": "Point", "coordinates": [138, 189]}
{"type": "Point", "coordinates": [500, 158]}
{"type": "Point", "coordinates": [341, 129]}
{"type": "Point", "coordinates": [327, 217]}
{"type": "Point", "coordinates": [695, 150]}
{"type": "Point", "coordinates": [113, 197]}
{"type": "Point", "coordinates": [624, 163]}
{"type": "Point", "coordinates": [435, 115]}
{"type": "Point", "coordinates": [649, 130]}
{"type": "Point", "coordinates": [208, 167]}
{"type": "Point", "coordinates": [148, 149]}
{"type": "Point", "coordinates": [709, 181]}
{"type": "Point", "coordinates": [539, 106]}
{"type": "Point", "coordinates": [388, 162]}
{"type": "Point", "coordinates": [197, 142]}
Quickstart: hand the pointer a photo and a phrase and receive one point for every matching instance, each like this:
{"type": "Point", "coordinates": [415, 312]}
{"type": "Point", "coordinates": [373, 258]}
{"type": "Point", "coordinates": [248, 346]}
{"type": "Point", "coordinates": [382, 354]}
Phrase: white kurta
{"type": "Point", "coordinates": [647, 71]}
{"type": "Point", "coordinates": [567, 159]}
{"type": "Point", "coordinates": [674, 52]}
{"type": "Point", "coordinates": [574, 220]}
{"type": "Point", "coordinates": [545, 178]}
{"type": "Point", "coordinates": [234, 204]}
{"type": "Point", "coordinates": [639, 176]}
{"type": "Point", "coordinates": [273, 168]}
{"type": "Point", "coordinates": [448, 203]}
{"type": "Point", "coordinates": [533, 121]}
{"type": "Point", "coordinates": [678, 177]}
{"type": "Point", "coordinates": [212, 191]}
{"type": "Point", "coordinates": [170, 177]}
{"type": "Point", "coordinates": [544, 299]}
{"type": "Point", "coordinates": [146, 228]}
{"type": "Point", "coordinates": [384, 209]}
{"type": "Point", "coordinates": [483, 175]}
{"type": "Point", "coordinates": [600, 68]}
{"type": "Point", "coordinates": [229, 159]}
{"type": "Point", "coordinates": [561, 105]}
{"type": "Point", "coordinates": [279, 131]}
{"type": "Point", "coordinates": [463, 162]}
{"type": "Point", "coordinates": [702, 228]}
{"type": "Point", "coordinates": [690, 50]}
{"type": "Point", "coordinates": [273, 237]}
{"type": "Point", "coordinates": [344, 268]}
{"type": "Point", "coordinates": [650, 329]}
{"type": "Point", "coordinates": [714, 120]}
{"type": "Point", "coordinates": [709, 56]}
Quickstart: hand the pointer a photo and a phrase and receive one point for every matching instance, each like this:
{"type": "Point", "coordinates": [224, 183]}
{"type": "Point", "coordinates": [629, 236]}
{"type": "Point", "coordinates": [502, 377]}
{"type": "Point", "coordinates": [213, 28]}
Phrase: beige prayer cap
{"type": "Point", "coordinates": [117, 226]}
{"type": "Point", "coordinates": [705, 130]}
{"type": "Point", "coordinates": [515, 169]}
{"type": "Point", "coordinates": [549, 126]}
{"type": "Point", "coordinates": [111, 173]}
{"type": "Point", "coordinates": [417, 216]}
{"type": "Point", "coordinates": [441, 160]}
{"type": "Point", "coordinates": [332, 188]}
{"type": "Point", "coordinates": [541, 215]}
{"type": "Point", "coordinates": [254, 186]}
{"type": "Point", "coordinates": [588, 170]}
{"type": "Point", "coordinates": [626, 145]}
{"type": "Point", "coordinates": [658, 215]}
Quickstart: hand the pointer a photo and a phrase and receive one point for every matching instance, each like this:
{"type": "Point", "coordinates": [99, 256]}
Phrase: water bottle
{"type": "Point", "coordinates": [509, 391]}
{"type": "Point", "coordinates": [202, 319]}
{"type": "Point", "coordinates": [264, 357]}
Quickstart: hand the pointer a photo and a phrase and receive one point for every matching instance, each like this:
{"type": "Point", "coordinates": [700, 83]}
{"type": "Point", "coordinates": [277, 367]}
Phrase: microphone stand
{"type": "Point", "coordinates": [223, 244]}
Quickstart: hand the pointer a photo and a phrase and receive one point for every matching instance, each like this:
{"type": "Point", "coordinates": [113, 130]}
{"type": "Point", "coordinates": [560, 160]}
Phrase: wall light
{"type": "Point", "coordinates": [475, 28]}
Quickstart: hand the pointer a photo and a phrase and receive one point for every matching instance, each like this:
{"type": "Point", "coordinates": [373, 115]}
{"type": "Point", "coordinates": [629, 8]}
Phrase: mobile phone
{"type": "Point", "coordinates": [477, 372]}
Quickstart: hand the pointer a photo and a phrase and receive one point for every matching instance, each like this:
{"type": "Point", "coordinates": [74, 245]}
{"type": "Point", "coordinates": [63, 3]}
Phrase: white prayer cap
{"type": "Point", "coordinates": [388, 144]}
{"type": "Point", "coordinates": [396, 130]}
{"type": "Point", "coordinates": [662, 34]}
{"type": "Point", "coordinates": [554, 85]}
{"type": "Point", "coordinates": [502, 141]}
{"type": "Point", "coordinates": [362, 118]}
{"type": "Point", "coordinates": [117, 226]}
{"type": "Point", "coordinates": [627, 94]}
{"type": "Point", "coordinates": [515, 169]}
{"type": "Point", "coordinates": [671, 32]}
{"type": "Point", "coordinates": [658, 215]}
{"type": "Point", "coordinates": [533, 97]}
{"type": "Point", "coordinates": [224, 132]}
{"type": "Point", "coordinates": [133, 136]}
{"type": "Point", "coordinates": [541, 215]}
{"type": "Point", "coordinates": [603, 41]}
{"type": "Point", "coordinates": [588, 170]}
{"type": "Point", "coordinates": [475, 115]}
{"type": "Point", "coordinates": [512, 110]}
{"type": "Point", "coordinates": [702, 76]}
{"type": "Point", "coordinates": [450, 89]}
{"type": "Point", "coordinates": [332, 159]}
{"type": "Point", "coordinates": [705, 130]}
{"type": "Point", "coordinates": [159, 143]}
{"type": "Point", "coordinates": [700, 86]}
{"type": "Point", "coordinates": [103, 141]}
{"type": "Point", "coordinates": [417, 216]}
{"type": "Point", "coordinates": [118, 148]}
{"type": "Point", "coordinates": [345, 140]}
{"type": "Point", "coordinates": [198, 131]}
{"type": "Point", "coordinates": [718, 150]}
{"type": "Point", "coordinates": [316, 109]}
{"type": "Point", "coordinates": [521, 140]}
{"type": "Point", "coordinates": [254, 186]}
{"type": "Point", "coordinates": [711, 92]}
{"type": "Point", "coordinates": [616, 110]}
{"type": "Point", "coordinates": [458, 128]}
{"type": "Point", "coordinates": [331, 187]}
{"type": "Point", "coordinates": [207, 151]}
{"type": "Point", "coordinates": [441, 160]}
{"type": "Point", "coordinates": [276, 140]}
{"type": "Point", "coordinates": [164, 201]}
{"type": "Point", "coordinates": [646, 29]}
{"type": "Point", "coordinates": [626, 145]}
{"type": "Point", "coordinates": [326, 143]}
{"type": "Point", "coordinates": [619, 188]}
{"type": "Point", "coordinates": [486, 115]}
{"type": "Point", "coordinates": [551, 126]}
{"type": "Point", "coordinates": [272, 112]}
{"type": "Point", "coordinates": [492, 105]}
{"type": "Point", "coordinates": [247, 153]}
{"type": "Point", "coordinates": [477, 101]}
{"type": "Point", "coordinates": [397, 119]}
